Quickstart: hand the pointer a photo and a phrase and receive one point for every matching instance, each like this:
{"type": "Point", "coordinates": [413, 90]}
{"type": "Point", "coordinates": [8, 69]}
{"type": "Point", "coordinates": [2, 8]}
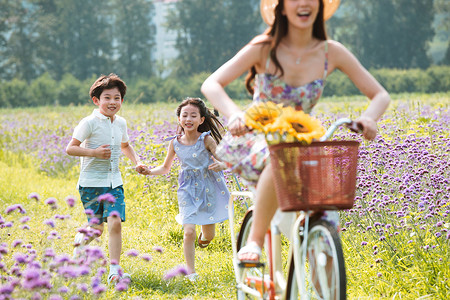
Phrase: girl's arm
{"type": "Point", "coordinates": [165, 167]}
{"type": "Point", "coordinates": [344, 60]}
{"type": "Point", "coordinates": [217, 165]}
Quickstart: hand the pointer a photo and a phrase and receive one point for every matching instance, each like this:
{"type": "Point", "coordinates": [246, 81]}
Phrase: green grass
{"type": "Point", "coordinates": [151, 209]}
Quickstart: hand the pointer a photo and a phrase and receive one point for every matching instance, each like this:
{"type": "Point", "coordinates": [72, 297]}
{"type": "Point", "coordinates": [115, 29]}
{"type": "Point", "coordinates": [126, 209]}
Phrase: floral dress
{"type": "Point", "coordinates": [247, 155]}
{"type": "Point", "coordinates": [202, 193]}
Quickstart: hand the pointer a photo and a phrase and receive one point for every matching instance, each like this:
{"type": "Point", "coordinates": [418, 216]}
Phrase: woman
{"type": "Point", "coordinates": [289, 64]}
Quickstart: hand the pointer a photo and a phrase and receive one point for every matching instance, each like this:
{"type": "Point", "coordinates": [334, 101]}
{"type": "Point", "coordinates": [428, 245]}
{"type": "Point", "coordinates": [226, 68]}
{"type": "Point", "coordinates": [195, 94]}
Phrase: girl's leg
{"type": "Point", "coordinates": [115, 239]}
{"type": "Point", "coordinates": [265, 207]}
{"type": "Point", "coordinates": [208, 231]}
{"type": "Point", "coordinates": [189, 246]}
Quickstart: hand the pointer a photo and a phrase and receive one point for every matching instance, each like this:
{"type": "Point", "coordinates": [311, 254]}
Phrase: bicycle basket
{"type": "Point", "coordinates": [321, 175]}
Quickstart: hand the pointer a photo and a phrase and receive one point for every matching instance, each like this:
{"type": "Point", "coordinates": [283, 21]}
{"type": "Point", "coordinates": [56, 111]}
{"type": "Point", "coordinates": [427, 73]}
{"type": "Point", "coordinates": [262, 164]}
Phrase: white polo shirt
{"type": "Point", "coordinates": [94, 131]}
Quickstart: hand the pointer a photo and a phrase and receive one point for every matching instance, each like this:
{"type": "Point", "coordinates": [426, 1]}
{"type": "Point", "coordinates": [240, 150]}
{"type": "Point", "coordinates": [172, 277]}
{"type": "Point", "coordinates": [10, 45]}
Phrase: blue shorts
{"type": "Point", "coordinates": [102, 210]}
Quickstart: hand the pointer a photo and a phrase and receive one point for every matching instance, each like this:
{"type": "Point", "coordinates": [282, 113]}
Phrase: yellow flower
{"type": "Point", "coordinates": [260, 114]}
{"type": "Point", "coordinates": [283, 124]}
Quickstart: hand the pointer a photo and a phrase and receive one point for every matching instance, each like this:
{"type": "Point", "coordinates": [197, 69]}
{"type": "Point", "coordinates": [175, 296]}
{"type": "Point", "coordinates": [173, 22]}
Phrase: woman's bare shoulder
{"type": "Point", "coordinates": [262, 39]}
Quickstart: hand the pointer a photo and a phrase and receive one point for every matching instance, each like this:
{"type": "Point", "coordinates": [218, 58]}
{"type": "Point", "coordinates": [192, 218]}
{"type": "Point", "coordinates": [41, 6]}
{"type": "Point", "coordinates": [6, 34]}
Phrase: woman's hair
{"type": "Point", "coordinates": [279, 30]}
{"type": "Point", "coordinates": [105, 83]}
{"type": "Point", "coordinates": [211, 122]}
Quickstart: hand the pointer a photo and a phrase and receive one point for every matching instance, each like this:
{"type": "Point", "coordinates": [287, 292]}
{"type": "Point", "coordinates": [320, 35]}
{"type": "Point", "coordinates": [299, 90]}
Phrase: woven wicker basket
{"type": "Point", "coordinates": [321, 175]}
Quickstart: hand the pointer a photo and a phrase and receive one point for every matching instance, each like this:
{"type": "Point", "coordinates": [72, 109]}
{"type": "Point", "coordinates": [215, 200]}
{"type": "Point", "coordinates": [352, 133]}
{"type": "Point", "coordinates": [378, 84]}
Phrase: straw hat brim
{"type": "Point", "coordinates": [268, 9]}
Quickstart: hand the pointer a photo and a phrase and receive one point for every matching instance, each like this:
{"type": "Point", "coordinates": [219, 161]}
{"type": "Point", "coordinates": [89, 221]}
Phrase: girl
{"type": "Point", "coordinates": [289, 64]}
{"type": "Point", "coordinates": [202, 192]}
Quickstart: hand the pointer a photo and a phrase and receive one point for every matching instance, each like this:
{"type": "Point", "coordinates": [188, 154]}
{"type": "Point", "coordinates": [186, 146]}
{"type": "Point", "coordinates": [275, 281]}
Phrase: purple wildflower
{"type": "Point", "coordinates": [52, 202]}
{"type": "Point", "coordinates": [99, 289]}
{"type": "Point", "coordinates": [34, 196]}
{"type": "Point", "coordinates": [114, 214]}
{"type": "Point", "coordinates": [132, 253]}
{"type": "Point", "coordinates": [83, 287]}
{"type": "Point", "coordinates": [25, 219]}
{"type": "Point", "coordinates": [146, 257]}
{"type": "Point", "coordinates": [179, 270]}
{"type": "Point", "coordinates": [70, 200]}
{"type": "Point", "coordinates": [50, 223]}
{"type": "Point", "coordinates": [14, 207]}
{"type": "Point", "coordinates": [21, 258]}
{"type": "Point", "coordinates": [89, 212]}
{"type": "Point", "coordinates": [363, 243]}
{"type": "Point", "coordinates": [107, 197]}
{"type": "Point", "coordinates": [16, 243]}
{"type": "Point", "coordinates": [158, 249]}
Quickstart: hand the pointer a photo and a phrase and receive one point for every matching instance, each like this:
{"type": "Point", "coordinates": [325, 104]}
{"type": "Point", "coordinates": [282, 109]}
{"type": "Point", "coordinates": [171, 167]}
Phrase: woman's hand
{"type": "Point", "coordinates": [369, 126]}
{"type": "Point", "coordinates": [236, 124]}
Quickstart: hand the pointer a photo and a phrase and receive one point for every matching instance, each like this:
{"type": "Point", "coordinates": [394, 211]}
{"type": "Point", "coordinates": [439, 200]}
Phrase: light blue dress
{"type": "Point", "coordinates": [202, 194]}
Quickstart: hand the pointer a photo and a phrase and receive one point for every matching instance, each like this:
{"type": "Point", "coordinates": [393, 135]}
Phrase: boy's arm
{"type": "Point", "coordinates": [74, 149]}
{"type": "Point", "coordinates": [129, 152]}
{"type": "Point", "coordinates": [165, 167]}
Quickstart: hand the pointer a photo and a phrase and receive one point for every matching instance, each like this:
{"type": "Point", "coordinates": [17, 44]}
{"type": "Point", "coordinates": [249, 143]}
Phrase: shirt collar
{"type": "Point", "coordinates": [99, 115]}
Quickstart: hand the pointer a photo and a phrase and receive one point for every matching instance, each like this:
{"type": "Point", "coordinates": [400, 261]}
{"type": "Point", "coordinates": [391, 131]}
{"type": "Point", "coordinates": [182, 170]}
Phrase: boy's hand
{"type": "Point", "coordinates": [217, 166]}
{"type": "Point", "coordinates": [103, 152]}
{"type": "Point", "coordinates": [141, 168]}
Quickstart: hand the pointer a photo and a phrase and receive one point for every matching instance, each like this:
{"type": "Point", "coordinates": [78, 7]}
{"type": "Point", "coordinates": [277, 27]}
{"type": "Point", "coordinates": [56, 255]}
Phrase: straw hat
{"type": "Point", "coordinates": [268, 9]}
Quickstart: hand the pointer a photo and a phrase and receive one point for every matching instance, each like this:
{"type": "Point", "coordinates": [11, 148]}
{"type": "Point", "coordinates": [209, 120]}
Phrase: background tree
{"type": "Point", "coordinates": [387, 33]}
{"type": "Point", "coordinates": [210, 31]}
{"type": "Point", "coordinates": [75, 37]}
{"type": "Point", "coordinates": [135, 33]}
{"type": "Point", "coordinates": [17, 41]}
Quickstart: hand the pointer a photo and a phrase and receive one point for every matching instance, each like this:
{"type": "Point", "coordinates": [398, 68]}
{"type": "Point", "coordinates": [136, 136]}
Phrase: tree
{"type": "Point", "coordinates": [135, 37]}
{"type": "Point", "coordinates": [17, 42]}
{"type": "Point", "coordinates": [75, 37]}
{"type": "Point", "coordinates": [387, 33]}
{"type": "Point", "coordinates": [209, 32]}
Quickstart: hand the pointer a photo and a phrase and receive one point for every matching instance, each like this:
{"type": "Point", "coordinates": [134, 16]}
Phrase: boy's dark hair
{"type": "Point", "coordinates": [107, 82]}
{"type": "Point", "coordinates": [211, 122]}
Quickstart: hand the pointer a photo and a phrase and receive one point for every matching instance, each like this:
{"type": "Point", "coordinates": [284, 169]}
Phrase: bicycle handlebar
{"type": "Point", "coordinates": [352, 125]}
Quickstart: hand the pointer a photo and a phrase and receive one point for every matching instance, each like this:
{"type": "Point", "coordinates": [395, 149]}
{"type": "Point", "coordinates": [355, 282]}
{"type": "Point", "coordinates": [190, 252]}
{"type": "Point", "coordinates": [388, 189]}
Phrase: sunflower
{"type": "Point", "coordinates": [261, 114]}
{"type": "Point", "coordinates": [283, 124]}
{"type": "Point", "coordinates": [303, 127]}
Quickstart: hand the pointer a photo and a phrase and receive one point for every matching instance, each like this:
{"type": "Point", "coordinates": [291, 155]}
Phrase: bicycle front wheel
{"type": "Point", "coordinates": [324, 268]}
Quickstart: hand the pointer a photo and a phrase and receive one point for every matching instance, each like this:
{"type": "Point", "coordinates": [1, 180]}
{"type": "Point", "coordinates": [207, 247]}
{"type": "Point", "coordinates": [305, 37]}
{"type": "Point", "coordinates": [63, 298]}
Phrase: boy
{"type": "Point", "coordinates": [104, 137]}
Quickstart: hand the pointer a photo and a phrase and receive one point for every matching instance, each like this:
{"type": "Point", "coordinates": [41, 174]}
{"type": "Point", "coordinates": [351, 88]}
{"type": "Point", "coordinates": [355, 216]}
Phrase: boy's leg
{"type": "Point", "coordinates": [115, 239]}
{"type": "Point", "coordinates": [189, 246]}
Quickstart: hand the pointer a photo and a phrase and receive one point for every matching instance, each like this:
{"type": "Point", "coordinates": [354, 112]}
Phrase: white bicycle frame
{"type": "Point", "coordinates": [277, 273]}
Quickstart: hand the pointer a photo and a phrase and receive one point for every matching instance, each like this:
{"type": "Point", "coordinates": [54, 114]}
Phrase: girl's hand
{"type": "Point", "coordinates": [217, 166]}
{"type": "Point", "coordinates": [140, 168]}
{"type": "Point", "coordinates": [369, 127]}
{"type": "Point", "coordinates": [236, 124]}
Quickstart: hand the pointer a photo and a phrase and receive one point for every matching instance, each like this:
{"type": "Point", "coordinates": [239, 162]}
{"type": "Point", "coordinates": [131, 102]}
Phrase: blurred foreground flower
{"type": "Point", "coordinates": [178, 270]}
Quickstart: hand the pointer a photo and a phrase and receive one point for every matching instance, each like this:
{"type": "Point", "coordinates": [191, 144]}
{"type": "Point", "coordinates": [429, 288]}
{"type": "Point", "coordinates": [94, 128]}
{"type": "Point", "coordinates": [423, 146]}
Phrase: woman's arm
{"type": "Point", "coordinates": [213, 87]}
{"type": "Point", "coordinates": [342, 59]}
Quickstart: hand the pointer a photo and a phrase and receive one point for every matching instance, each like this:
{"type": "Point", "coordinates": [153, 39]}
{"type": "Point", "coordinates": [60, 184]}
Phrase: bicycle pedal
{"type": "Point", "coordinates": [247, 264]}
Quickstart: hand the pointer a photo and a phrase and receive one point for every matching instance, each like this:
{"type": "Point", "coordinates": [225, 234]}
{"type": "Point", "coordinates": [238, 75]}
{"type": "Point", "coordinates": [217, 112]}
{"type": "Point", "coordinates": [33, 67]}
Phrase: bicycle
{"type": "Point", "coordinates": [320, 176]}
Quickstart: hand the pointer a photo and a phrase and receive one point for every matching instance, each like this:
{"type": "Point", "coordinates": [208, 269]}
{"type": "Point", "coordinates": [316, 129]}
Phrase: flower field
{"type": "Point", "coordinates": [396, 238]}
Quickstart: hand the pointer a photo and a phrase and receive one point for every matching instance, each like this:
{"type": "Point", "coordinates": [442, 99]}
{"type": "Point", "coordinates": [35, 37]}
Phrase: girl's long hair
{"type": "Point", "coordinates": [211, 122]}
{"type": "Point", "coordinates": [279, 30]}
